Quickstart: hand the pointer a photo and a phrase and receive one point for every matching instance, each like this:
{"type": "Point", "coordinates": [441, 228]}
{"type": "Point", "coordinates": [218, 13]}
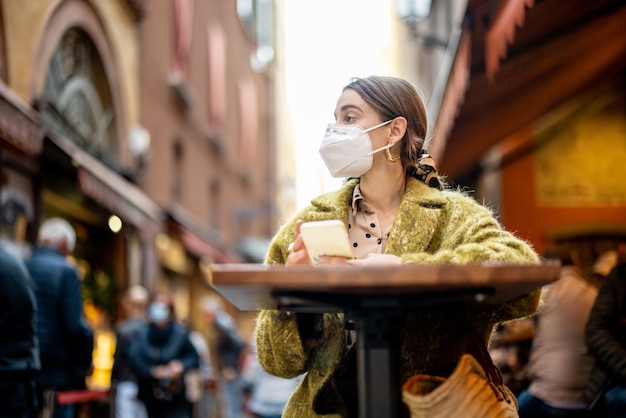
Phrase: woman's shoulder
{"type": "Point", "coordinates": [329, 205]}
{"type": "Point", "coordinates": [418, 190]}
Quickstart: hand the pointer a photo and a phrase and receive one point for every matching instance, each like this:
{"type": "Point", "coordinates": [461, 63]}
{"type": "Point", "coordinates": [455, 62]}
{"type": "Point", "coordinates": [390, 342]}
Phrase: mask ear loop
{"type": "Point", "coordinates": [386, 147]}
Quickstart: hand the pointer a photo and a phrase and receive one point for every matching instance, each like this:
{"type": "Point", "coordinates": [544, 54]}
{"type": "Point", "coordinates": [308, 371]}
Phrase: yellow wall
{"type": "Point", "coordinates": [124, 39]}
{"type": "Point", "coordinates": [573, 182]}
{"type": "Point", "coordinates": [24, 23]}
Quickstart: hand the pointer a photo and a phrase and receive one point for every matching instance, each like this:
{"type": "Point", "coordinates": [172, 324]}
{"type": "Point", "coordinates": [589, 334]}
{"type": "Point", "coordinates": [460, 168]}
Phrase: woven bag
{"type": "Point", "coordinates": [469, 392]}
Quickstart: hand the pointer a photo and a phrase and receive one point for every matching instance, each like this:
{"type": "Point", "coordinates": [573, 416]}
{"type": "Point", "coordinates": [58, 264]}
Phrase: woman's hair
{"type": "Point", "coordinates": [393, 97]}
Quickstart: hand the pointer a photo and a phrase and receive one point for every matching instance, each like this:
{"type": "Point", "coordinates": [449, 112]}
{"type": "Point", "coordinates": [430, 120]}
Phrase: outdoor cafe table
{"type": "Point", "coordinates": [372, 298]}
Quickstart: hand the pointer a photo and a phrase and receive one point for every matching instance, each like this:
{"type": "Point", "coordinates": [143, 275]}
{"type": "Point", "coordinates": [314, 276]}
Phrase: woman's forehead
{"type": "Point", "coordinates": [351, 100]}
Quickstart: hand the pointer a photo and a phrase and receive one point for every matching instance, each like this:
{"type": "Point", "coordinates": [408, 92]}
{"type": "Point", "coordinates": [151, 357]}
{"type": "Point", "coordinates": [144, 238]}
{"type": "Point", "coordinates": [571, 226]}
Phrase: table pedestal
{"type": "Point", "coordinates": [377, 365]}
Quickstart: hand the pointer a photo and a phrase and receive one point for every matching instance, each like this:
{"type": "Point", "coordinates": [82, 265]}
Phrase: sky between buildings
{"type": "Point", "coordinates": [327, 43]}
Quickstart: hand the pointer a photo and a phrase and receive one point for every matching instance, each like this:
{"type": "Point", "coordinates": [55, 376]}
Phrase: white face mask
{"type": "Point", "coordinates": [347, 149]}
{"type": "Point", "coordinates": [158, 312]}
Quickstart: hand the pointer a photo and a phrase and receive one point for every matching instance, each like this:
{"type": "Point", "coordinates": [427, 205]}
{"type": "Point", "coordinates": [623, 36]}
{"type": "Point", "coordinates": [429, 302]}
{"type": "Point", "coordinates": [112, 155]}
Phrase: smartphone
{"type": "Point", "coordinates": [326, 238]}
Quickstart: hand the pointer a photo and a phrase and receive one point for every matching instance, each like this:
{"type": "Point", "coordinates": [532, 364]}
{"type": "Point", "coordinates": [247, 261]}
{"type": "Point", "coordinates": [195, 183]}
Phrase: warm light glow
{"type": "Point", "coordinates": [115, 223]}
{"type": "Point", "coordinates": [162, 242]}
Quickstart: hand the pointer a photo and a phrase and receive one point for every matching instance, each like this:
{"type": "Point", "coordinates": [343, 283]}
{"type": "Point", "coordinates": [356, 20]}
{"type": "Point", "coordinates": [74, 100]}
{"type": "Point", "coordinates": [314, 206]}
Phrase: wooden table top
{"type": "Point", "coordinates": [258, 286]}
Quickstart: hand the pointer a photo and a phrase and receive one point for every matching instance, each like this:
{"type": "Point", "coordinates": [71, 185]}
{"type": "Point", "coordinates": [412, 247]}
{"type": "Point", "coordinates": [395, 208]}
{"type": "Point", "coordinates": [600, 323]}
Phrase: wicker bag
{"type": "Point", "coordinates": [467, 393]}
{"type": "Point", "coordinates": [473, 390]}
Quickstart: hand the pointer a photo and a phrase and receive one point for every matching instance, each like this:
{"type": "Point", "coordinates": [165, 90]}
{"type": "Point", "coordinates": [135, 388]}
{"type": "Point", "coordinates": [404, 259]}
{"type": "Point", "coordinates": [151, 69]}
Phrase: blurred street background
{"type": "Point", "coordinates": [176, 134]}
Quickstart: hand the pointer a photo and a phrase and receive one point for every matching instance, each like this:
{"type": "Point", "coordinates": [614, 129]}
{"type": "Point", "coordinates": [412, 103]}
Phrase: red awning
{"type": "Point", "coordinates": [525, 62]}
{"type": "Point", "coordinates": [501, 34]}
{"type": "Point", "coordinates": [200, 248]}
{"type": "Point", "coordinates": [199, 239]}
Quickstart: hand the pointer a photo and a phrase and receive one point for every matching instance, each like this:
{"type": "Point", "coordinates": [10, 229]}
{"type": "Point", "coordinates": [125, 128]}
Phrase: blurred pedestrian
{"type": "Point", "coordinates": [65, 339]}
{"type": "Point", "coordinates": [19, 352]}
{"type": "Point", "coordinates": [268, 393]}
{"type": "Point", "coordinates": [208, 403]}
{"type": "Point", "coordinates": [559, 364]}
{"type": "Point", "coordinates": [228, 348]}
{"type": "Point", "coordinates": [123, 378]}
{"type": "Point", "coordinates": [605, 335]}
{"type": "Point", "coordinates": [603, 266]}
{"type": "Point", "coordinates": [161, 353]}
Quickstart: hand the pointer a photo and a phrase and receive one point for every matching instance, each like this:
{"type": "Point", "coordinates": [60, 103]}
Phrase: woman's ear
{"type": "Point", "coordinates": [398, 129]}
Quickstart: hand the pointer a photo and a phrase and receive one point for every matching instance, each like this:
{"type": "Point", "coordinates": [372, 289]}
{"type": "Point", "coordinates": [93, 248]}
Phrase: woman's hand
{"type": "Point", "coordinates": [176, 368]}
{"type": "Point", "coordinates": [297, 250]}
{"type": "Point", "coordinates": [298, 253]}
{"type": "Point", "coordinates": [333, 259]}
{"type": "Point", "coordinates": [374, 259]}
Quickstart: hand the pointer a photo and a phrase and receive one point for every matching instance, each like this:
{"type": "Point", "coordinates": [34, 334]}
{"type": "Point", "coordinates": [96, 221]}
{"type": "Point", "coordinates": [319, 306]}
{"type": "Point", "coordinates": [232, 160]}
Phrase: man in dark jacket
{"type": "Point", "coordinates": [161, 354]}
{"type": "Point", "coordinates": [19, 354]}
{"type": "Point", "coordinates": [605, 335]}
{"type": "Point", "coordinates": [65, 339]}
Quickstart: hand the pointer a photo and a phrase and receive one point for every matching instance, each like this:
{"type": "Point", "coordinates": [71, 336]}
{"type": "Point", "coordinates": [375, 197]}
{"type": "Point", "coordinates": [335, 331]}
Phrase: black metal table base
{"type": "Point", "coordinates": [376, 319]}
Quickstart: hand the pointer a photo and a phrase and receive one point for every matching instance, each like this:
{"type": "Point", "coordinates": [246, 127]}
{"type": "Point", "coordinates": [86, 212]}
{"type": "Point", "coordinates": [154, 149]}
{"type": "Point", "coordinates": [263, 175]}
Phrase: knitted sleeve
{"type": "Point", "coordinates": [280, 350]}
{"type": "Point", "coordinates": [470, 234]}
{"type": "Point", "coordinates": [283, 339]}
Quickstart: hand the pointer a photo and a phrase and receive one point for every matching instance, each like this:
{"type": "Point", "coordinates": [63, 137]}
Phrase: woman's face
{"type": "Point", "coordinates": [353, 110]}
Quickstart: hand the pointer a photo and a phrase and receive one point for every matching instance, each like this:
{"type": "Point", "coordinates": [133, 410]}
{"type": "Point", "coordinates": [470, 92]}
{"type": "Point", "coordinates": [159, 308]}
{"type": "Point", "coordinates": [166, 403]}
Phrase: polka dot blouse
{"type": "Point", "coordinates": [365, 233]}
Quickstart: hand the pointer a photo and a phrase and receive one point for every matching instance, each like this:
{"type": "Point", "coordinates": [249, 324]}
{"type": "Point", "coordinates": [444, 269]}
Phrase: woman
{"type": "Point", "coordinates": [396, 213]}
{"type": "Point", "coordinates": [161, 354]}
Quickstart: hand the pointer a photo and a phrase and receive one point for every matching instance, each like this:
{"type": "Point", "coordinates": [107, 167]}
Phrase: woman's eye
{"type": "Point", "coordinates": [349, 118]}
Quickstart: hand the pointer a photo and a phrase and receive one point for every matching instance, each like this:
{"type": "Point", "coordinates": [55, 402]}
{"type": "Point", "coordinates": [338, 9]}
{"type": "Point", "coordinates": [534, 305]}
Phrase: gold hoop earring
{"type": "Point", "coordinates": [390, 157]}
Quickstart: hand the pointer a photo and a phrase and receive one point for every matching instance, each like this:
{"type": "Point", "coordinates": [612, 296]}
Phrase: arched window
{"type": "Point", "coordinates": [76, 101]}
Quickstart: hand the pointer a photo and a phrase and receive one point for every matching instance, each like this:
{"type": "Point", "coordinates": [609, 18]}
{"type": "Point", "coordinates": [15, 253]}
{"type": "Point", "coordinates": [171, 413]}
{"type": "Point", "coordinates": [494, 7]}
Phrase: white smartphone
{"type": "Point", "coordinates": [326, 238]}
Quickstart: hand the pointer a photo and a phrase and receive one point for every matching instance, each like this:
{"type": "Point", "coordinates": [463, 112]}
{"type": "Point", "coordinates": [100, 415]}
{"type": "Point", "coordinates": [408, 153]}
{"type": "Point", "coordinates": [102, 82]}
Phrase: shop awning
{"type": "Point", "coordinates": [18, 123]}
{"type": "Point", "coordinates": [109, 189]}
{"type": "Point", "coordinates": [199, 239]}
{"type": "Point", "coordinates": [524, 61]}
{"type": "Point", "coordinates": [501, 34]}
{"type": "Point", "coordinates": [200, 248]}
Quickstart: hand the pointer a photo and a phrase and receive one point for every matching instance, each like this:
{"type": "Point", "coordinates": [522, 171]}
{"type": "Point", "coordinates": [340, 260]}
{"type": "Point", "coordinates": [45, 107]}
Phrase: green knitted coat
{"type": "Point", "coordinates": [430, 227]}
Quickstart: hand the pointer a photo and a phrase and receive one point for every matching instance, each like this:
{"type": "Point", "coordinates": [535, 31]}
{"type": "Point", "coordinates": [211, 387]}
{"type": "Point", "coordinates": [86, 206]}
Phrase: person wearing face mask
{"type": "Point", "coordinates": [397, 210]}
{"type": "Point", "coordinates": [160, 355]}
